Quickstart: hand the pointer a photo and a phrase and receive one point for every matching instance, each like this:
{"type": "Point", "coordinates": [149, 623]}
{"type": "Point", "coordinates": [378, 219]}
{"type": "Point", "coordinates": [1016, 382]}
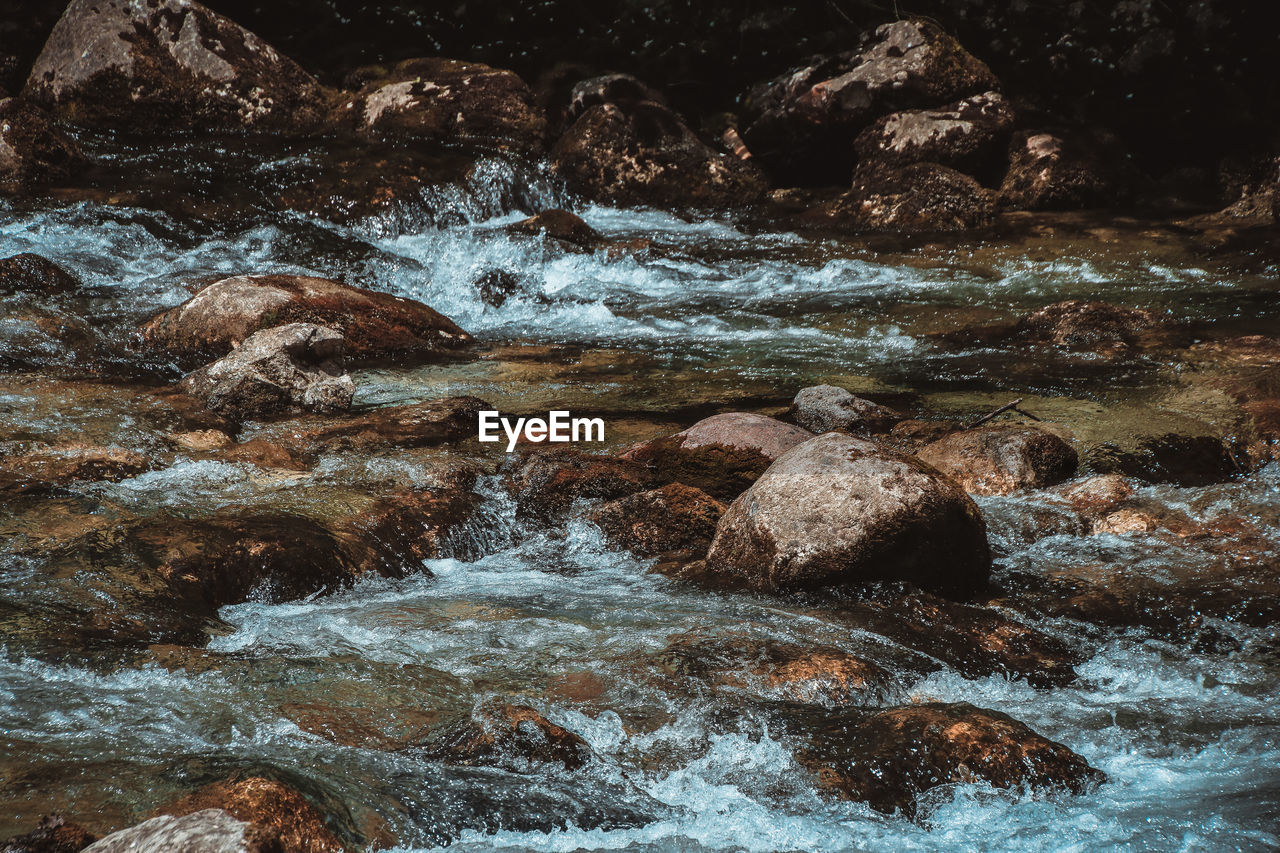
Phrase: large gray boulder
{"type": "Point", "coordinates": [843, 511]}
{"type": "Point", "coordinates": [169, 64]}
{"type": "Point", "coordinates": [298, 366]}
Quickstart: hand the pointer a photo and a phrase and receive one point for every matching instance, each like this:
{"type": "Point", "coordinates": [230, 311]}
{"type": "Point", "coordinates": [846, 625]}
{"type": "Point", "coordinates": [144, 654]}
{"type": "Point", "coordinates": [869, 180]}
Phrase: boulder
{"type": "Point", "coordinates": [273, 811]}
{"type": "Point", "coordinates": [1060, 172]}
{"type": "Point", "coordinates": [207, 831]}
{"type": "Point", "coordinates": [722, 454]}
{"type": "Point", "coordinates": [52, 835]}
{"type": "Point", "coordinates": [422, 424]}
{"type": "Point", "coordinates": [420, 524]}
{"type": "Point", "coordinates": [169, 65]}
{"type": "Point", "coordinates": [623, 90]}
{"type": "Point", "coordinates": [842, 511]}
{"type": "Point", "coordinates": [32, 149]}
{"type": "Point", "coordinates": [547, 481]}
{"type": "Point", "coordinates": [645, 154]}
{"type": "Point", "coordinates": [824, 408]}
{"type": "Point", "coordinates": [801, 126]}
{"type": "Point", "coordinates": [1098, 496]}
{"type": "Point", "coordinates": [449, 102]}
{"type": "Point", "coordinates": [674, 522]}
{"type": "Point", "coordinates": [276, 371]}
{"type": "Point", "coordinates": [971, 135]}
{"type": "Point", "coordinates": [495, 287]}
{"type": "Point", "coordinates": [1000, 460]}
{"type": "Point", "coordinates": [374, 325]}
{"type": "Point", "coordinates": [500, 734]}
{"type": "Point", "coordinates": [29, 273]}
{"type": "Point", "coordinates": [920, 197]}
{"type": "Point", "coordinates": [42, 469]}
{"type": "Point", "coordinates": [891, 758]}
{"type": "Point", "coordinates": [1091, 326]}
{"type": "Point", "coordinates": [566, 229]}
{"type": "Point", "coordinates": [1187, 460]}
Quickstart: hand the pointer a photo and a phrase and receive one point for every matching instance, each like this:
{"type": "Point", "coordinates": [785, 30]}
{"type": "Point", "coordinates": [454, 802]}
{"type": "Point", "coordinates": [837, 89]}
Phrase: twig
{"type": "Point", "coordinates": [1000, 411]}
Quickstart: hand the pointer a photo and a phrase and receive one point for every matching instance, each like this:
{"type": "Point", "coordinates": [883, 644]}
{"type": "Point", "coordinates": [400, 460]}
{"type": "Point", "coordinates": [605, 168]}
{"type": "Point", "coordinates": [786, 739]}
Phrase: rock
{"type": "Point", "coordinates": [675, 522]}
{"type": "Point", "coordinates": [497, 286]}
{"type": "Point", "coordinates": [450, 102]}
{"type": "Point", "coordinates": [970, 135]}
{"type": "Point", "coordinates": [547, 481]}
{"type": "Point", "coordinates": [421, 524]}
{"type": "Point", "coordinates": [416, 425]}
{"type": "Point", "coordinates": [1051, 172]}
{"type": "Point", "coordinates": [842, 511]}
{"type": "Point", "coordinates": [646, 155]}
{"type": "Point", "coordinates": [270, 455]}
{"type": "Point", "coordinates": [42, 469]}
{"type": "Point", "coordinates": [621, 89]}
{"type": "Point", "coordinates": [891, 758]}
{"type": "Point", "coordinates": [1098, 496]}
{"type": "Point", "coordinates": [1091, 326]}
{"type": "Point", "coordinates": [918, 197]}
{"type": "Point", "coordinates": [276, 371]}
{"type": "Point", "coordinates": [722, 454]}
{"type": "Point", "coordinates": [823, 408]}
{"type": "Point", "coordinates": [202, 440]}
{"type": "Point", "coordinates": [502, 733]}
{"type": "Point", "coordinates": [32, 150]}
{"type": "Point", "coordinates": [912, 434]}
{"type": "Point", "coordinates": [567, 229]}
{"type": "Point", "coordinates": [169, 65]}
{"type": "Point", "coordinates": [28, 273]}
{"type": "Point", "coordinates": [1000, 460]}
{"type": "Point", "coordinates": [52, 835]}
{"type": "Point", "coordinates": [1187, 460]}
{"type": "Point", "coordinates": [208, 831]}
{"type": "Point", "coordinates": [802, 125]}
{"type": "Point", "coordinates": [275, 813]}
{"type": "Point", "coordinates": [374, 325]}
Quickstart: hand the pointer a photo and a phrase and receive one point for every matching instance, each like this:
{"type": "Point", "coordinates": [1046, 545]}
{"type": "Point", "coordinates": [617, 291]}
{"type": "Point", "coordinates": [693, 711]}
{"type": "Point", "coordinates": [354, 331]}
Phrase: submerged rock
{"type": "Point", "coordinates": [842, 511]}
{"type": "Point", "coordinates": [32, 150]}
{"type": "Point", "coordinates": [275, 813]}
{"type": "Point", "coordinates": [500, 734]}
{"type": "Point", "coordinates": [1000, 460]}
{"type": "Point", "coordinates": [567, 229]}
{"type": "Point", "coordinates": [276, 371]}
{"type": "Point", "coordinates": [891, 758]}
{"type": "Point", "coordinates": [1078, 325]}
{"type": "Point", "coordinates": [802, 124]}
{"type": "Point", "coordinates": [823, 408]}
{"type": "Point", "coordinates": [547, 481]}
{"type": "Point", "coordinates": [644, 154]}
{"type": "Point", "coordinates": [970, 135]}
{"type": "Point", "coordinates": [29, 273]}
{"type": "Point", "coordinates": [207, 831]}
{"type": "Point", "coordinates": [52, 835]}
{"type": "Point", "coordinates": [674, 522]}
{"type": "Point", "coordinates": [374, 325]}
{"type": "Point", "coordinates": [42, 469]}
{"type": "Point", "coordinates": [449, 102]}
{"type": "Point", "coordinates": [416, 425]}
{"type": "Point", "coordinates": [169, 65]}
{"type": "Point", "coordinates": [722, 454]}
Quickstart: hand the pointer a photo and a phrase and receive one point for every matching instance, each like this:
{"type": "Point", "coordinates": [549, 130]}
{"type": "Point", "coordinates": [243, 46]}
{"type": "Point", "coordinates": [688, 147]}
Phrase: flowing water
{"type": "Point", "coordinates": [717, 313]}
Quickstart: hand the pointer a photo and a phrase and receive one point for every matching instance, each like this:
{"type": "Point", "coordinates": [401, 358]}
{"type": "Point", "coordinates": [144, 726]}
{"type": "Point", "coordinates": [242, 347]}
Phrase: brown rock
{"type": "Point", "coordinates": [891, 758]}
{"type": "Point", "coordinates": [450, 102]}
{"type": "Point", "coordinates": [1091, 326]}
{"type": "Point", "coordinates": [567, 229]}
{"type": "Point", "coordinates": [32, 150]}
{"type": "Point", "coordinates": [547, 481]}
{"type": "Point", "coordinates": [675, 521]}
{"type": "Point", "coordinates": [44, 468]}
{"type": "Point", "coordinates": [1000, 460]}
{"type": "Point", "coordinates": [1098, 496]}
{"type": "Point", "coordinates": [416, 425]}
{"type": "Point", "coordinates": [375, 325]}
{"type": "Point", "coordinates": [169, 64]}
{"type": "Point", "coordinates": [1059, 172]}
{"type": "Point", "coordinates": [823, 408]}
{"type": "Point", "coordinates": [422, 524]}
{"type": "Point", "coordinates": [842, 511]}
{"type": "Point", "coordinates": [202, 440]}
{"type": "Point", "coordinates": [278, 813]}
{"type": "Point", "coordinates": [500, 733]}
{"type": "Point", "coordinates": [52, 835]}
{"type": "Point", "coordinates": [970, 135]}
{"type": "Point", "coordinates": [919, 197]}
{"type": "Point", "coordinates": [722, 454]}
{"type": "Point", "coordinates": [28, 273]}
{"type": "Point", "coordinates": [269, 454]}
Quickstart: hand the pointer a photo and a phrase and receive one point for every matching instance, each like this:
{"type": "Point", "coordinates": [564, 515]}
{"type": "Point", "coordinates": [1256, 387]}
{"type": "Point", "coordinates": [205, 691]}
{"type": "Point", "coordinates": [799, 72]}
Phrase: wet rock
{"type": "Point", "coordinates": [275, 813]}
{"type": "Point", "coordinates": [622, 90]}
{"type": "Point", "coordinates": [497, 286]}
{"type": "Point", "coordinates": [891, 758]}
{"type": "Point", "coordinates": [675, 522]}
{"type": "Point", "coordinates": [970, 135]}
{"type": "Point", "coordinates": [202, 440]}
{"type": "Point", "coordinates": [823, 408]}
{"type": "Point", "coordinates": [1098, 496]}
{"type": "Point", "coordinates": [208, 831]}
{"type": "Point", "coordinates": [646, 155]}
{"type": "Point", "coordinates": [52, 835]}
{"type": "Point", "coordinates": [1187, 460]}
{"type": "Point", "coordinates": [842, 511]}
{"type": "Point", "coordinates": [449, 102]}
{"type": "Point", "coordinates": [1000, 460]}
{"type": "Point", "coordinates": [420, 524]}
{"type": "Point", "coordinates": [374, 325]}
{"type": "Point", "coordinates": [28, 273]}
{"type": "Point", "coordinates": [722, 454]}
{"type": "Point", "coordinates": [42, 469]}
{"type": "Point", "coordinates": [1092, 326]}
{"type": "Point", "coordinates": [912, 434]}
{"type": "Point", "coordinates": [169, 64]}
{"type": "Point", "coordinates": [498, 734]}
{"type": "Point", "coordinates": [32, 150]}
{"type": "Point", "coordinates": [547, 481]}
{"type": "Point", "coordinates": [276, 371]}
{"type": "Point", "coordinates": [270, 455]}
{"type": "Point", "coordinates": [802, 124]}
{"type": "Point", "coordinates": [565, 228]}
{"type": "Point", "coordinates": [918, 197]}
{"type": "Point", "coordinates": [1051, 172]}
{"type": "Point", "coordinates": [416, 425]}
